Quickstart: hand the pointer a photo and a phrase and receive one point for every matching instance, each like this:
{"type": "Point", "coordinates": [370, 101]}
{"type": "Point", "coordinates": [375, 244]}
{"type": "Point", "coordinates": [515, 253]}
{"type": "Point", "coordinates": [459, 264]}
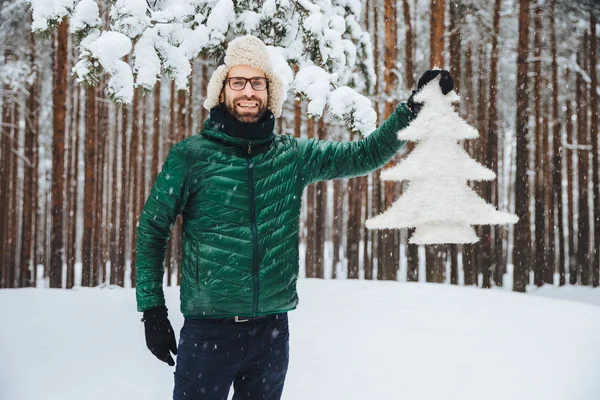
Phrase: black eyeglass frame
{"type": "Point", "coordinates": [246, 80]}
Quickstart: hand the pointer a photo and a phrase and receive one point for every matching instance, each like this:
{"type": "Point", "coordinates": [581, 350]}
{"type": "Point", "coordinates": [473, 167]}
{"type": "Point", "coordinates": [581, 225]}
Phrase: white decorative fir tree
{"type": "Point", "coordinates": [438, 201]}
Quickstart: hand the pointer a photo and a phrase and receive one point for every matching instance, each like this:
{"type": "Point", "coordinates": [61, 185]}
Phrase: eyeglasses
{"type": "Point", "coordinates": [239, 83]}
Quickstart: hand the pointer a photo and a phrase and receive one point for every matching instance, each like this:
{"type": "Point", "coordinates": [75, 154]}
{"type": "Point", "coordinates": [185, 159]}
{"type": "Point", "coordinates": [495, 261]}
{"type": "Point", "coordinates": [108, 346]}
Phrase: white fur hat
{"type": "Point", "coordinates": [247, 50]}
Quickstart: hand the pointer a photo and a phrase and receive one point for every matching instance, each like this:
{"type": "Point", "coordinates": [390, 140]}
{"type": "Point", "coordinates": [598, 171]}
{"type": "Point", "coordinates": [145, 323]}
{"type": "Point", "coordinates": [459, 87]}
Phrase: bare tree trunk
{"type": "Point", "coordinates": [522, 240]}
{"type": "Point", "coordinates": [13, 205]}
{"type": "Point", "coordinates": [114, 199]}
{"type": "Point", "coordinates": [436, 55]}
{"type": "Point", "coordinates": [6, 150]}
{"type": "Point", "coordinates": [155, 133]}
{"type": "Point", "coordinates": [338, 215]}
{"type": "Point", "coordinates": [453, 253]}
{"type": "Point", "coordinates": [412, 251]}
{"type": "Point", "coordinates": [71, 217]}
{"type": "Point", "coordinates": [583, 224]}
{"type": "Point", "coordinates": [320, 215]}
{"type": "Point", "coordinates": [75, 208]}
{"type": "Point", "coordinates": [367, 234]}
{"type": "Point", "coordinates": [593, 61]}
{"type": "Point", "coordinates": [376, 200]}
{"type": "Point", "coordinates": [549, 256]}
{"type": "Point", "coordinates": [352, 230]}
{"type": "Point", "coordinates": [469, 251]}
{"type": "Point", "coordinates": [492, 148]}
{"type": "Point", "coordinates": [90, 183]}
{"type": "Point", "coordinates": [29, 201]}
{"type": "Point", "coordinates": [540, 206]}
{"type": "Point", "coordinates": [409, 65]}
{"type": "Point", "coordinates": [557, 152]}
{"type": "Point", "coordinates": [390, 245]}
{"type": "Point", "coordinates": [310, 216]}
{"type": "Point", "coordinates": [455, 45]}
{"type": "Point", "coordinates": [99, 266]}
{"type": "Point", "coordinates": [134, 179]}
{"type": "Point", "coordinates": [572, 259]}
{"type": "Point", "coordinates": [124, 197]}
{"type": "Point", "coordinates": [58, 154]}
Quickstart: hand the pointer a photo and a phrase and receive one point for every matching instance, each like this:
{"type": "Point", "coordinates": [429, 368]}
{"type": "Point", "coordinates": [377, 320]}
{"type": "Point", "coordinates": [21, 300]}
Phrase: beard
{"type": "Point", "coordinates": [247, 115]}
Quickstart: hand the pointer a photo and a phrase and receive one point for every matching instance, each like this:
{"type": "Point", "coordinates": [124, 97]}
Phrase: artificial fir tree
{"type": "Point", "coordinates": [438, 201]}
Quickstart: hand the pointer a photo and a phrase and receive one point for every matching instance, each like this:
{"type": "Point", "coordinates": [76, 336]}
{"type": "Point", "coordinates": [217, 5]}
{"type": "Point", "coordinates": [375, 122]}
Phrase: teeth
{"type": "Point", "coordinates": [247, 105]}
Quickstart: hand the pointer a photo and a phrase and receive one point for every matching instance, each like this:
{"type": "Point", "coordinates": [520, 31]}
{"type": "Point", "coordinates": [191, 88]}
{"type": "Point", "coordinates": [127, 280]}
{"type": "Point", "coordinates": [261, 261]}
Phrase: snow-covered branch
{"type": "Point", "coordinates": [144, 41]}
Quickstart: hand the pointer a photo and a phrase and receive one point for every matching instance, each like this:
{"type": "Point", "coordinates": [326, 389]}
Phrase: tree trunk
{"type": "Point", "coordinates": [412, 250]}
{"type": "Point", "coordinates": [469, 251]}
{"type": "Point", "coordinates": [71, 217]}
{"type": "Point", "coordinates": [549, 256]}
{"type": "Point", "coordinates": [456, 20]}
{"type": "Point", "coordinates": [14, 198]}
{"type": "Point", "coordinates": [310, 216]}
{"type": "Point", "coordinates": [320, 215]}
{"type": "Point", "coordinates": [58, 154]}
{"type": "Point", "coordinates": [389, 243]}
{"type": "Point", "coordinates": [155, 133]}
{"type": "Point", "coordinates": [593, 61]}
{"type": "Point", "coordinates": [522, 240]}
{"type": "Point", "coordinates": [124, 197]}
{"type": "Point", "coordinates": [436, 55]}
{"type": "Point", "coordinates": [540, 206]}
{"type": "Point", "coordinates": [557, 152]}
{"type": "Point", "coordinates": [583, 224]}
{"type": "Point", "coordinates": [6, 150]}
{"type": "Point", "coordinates": [572, 259]}
{"type": "Point", "coordinates": [99, 267]}
{"type": "Point", "coordinates": [352, 230]}
{"type": "Point", "coordinates": [338, 218]}
{"type": "Point", "coordinates": [114, 245]}
{"type": "Point", "coordinates": [89, 184]}
{"type": "Point", "coordinates": [493, 148]}
{"type": "Point", "coordinates": [134, 178]}
{"type": "Point", "coordinates": [409, 73]}
{"type": "Point", "coordinates": [29, 201]}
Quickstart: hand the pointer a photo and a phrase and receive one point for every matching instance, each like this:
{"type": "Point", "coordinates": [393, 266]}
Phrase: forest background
{"type": "Point", "coordinates": [75, 167]}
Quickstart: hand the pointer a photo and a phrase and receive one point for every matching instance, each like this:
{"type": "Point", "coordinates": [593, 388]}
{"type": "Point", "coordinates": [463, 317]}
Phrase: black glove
{"type": "Point", "coordinates": [160, 337]}
{"type": "Point", "coordinates": [446, 84]}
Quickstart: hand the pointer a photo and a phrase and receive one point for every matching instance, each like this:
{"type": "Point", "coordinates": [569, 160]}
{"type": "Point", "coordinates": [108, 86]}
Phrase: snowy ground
{"type": "Point", "coordinates": [349, 340]}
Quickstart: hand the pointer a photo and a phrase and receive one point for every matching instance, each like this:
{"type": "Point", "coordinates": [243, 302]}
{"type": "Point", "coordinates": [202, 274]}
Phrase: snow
{"type": "Point", "coordinates": [438, 201]}
{"type": "Point", "coordinates": [314, 82]}
{"type": "Point", "coordinates": [348, 340]}
{"type": "Point", "coordinates": [86, 15]}
{"type": "Point", "coordinates": [108, 49]}
{"type": "Point", "coordinates": [344, 101]}
{"type": "Point", "coordinates": [44, 10]}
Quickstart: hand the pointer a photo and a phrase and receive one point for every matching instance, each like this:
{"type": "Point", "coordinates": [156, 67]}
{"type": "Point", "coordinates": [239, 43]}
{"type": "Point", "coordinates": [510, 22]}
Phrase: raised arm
{"type": "Point", "coordinates": [323, 159]}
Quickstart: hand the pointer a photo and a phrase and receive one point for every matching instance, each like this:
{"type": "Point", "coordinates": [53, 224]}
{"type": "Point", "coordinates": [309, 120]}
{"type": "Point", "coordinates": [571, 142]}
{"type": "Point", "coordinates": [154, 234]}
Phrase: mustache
{"type": "Point", "coordinates": [242, 97]}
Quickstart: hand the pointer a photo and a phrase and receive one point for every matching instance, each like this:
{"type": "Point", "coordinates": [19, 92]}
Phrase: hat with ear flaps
{"type": "Point", "coordinates": [251, 51]}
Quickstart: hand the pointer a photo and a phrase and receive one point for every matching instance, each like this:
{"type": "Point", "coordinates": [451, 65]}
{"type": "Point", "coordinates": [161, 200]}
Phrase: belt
{"type": "Point", "coordinates": [242, 319]}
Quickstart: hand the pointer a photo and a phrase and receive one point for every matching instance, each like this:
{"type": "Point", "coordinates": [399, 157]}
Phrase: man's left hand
{"type": "Point", "coordinates": [446, 85]}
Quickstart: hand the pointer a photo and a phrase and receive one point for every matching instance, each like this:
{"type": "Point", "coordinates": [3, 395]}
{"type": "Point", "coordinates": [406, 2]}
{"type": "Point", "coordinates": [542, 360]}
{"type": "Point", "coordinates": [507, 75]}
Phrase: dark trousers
{"type": "Point", "coordinates": [213, 354]}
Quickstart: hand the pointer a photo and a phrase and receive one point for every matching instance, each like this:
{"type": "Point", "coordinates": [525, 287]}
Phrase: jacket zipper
{"type": "Point", "coordinates": [254, 234]}
{"type": "Point", "coordinates": [250, 147]}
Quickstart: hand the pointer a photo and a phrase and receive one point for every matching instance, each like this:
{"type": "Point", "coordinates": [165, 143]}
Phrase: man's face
{"type": "Point", "coordinates": [246, 105]}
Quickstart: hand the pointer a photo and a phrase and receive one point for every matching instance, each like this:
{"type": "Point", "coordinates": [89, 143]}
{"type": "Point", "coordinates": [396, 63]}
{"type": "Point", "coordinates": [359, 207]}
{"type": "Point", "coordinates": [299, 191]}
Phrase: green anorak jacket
{"type": "Point", "coordinates": [240, 202]}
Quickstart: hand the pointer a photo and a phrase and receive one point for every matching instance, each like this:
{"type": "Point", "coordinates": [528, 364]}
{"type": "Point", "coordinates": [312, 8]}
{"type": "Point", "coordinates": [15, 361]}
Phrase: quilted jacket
{"type": "Point", "coordinates": [240, 201]}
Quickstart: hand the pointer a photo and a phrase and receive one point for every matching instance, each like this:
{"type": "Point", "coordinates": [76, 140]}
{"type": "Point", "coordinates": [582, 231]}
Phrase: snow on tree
{"type": "Point", "coordinates": [163, 37]}
{"type": "Point", "coordinates": [438, 202]}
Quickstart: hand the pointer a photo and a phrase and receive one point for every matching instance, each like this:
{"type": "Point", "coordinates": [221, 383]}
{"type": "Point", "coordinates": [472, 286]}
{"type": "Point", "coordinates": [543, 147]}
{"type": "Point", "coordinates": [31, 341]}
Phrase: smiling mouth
{"type": "Point", "coordinates": [247, 105]}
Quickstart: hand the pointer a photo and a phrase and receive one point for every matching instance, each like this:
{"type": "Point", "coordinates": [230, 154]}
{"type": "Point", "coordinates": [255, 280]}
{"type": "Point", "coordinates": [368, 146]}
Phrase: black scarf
{"type": "Point", "coordinates": [249, 131]}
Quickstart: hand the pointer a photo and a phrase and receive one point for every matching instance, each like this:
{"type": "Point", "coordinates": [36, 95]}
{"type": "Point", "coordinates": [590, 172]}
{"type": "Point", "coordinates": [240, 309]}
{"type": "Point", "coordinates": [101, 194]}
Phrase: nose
{"type": "Point", "coordinates": [248, 91]}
